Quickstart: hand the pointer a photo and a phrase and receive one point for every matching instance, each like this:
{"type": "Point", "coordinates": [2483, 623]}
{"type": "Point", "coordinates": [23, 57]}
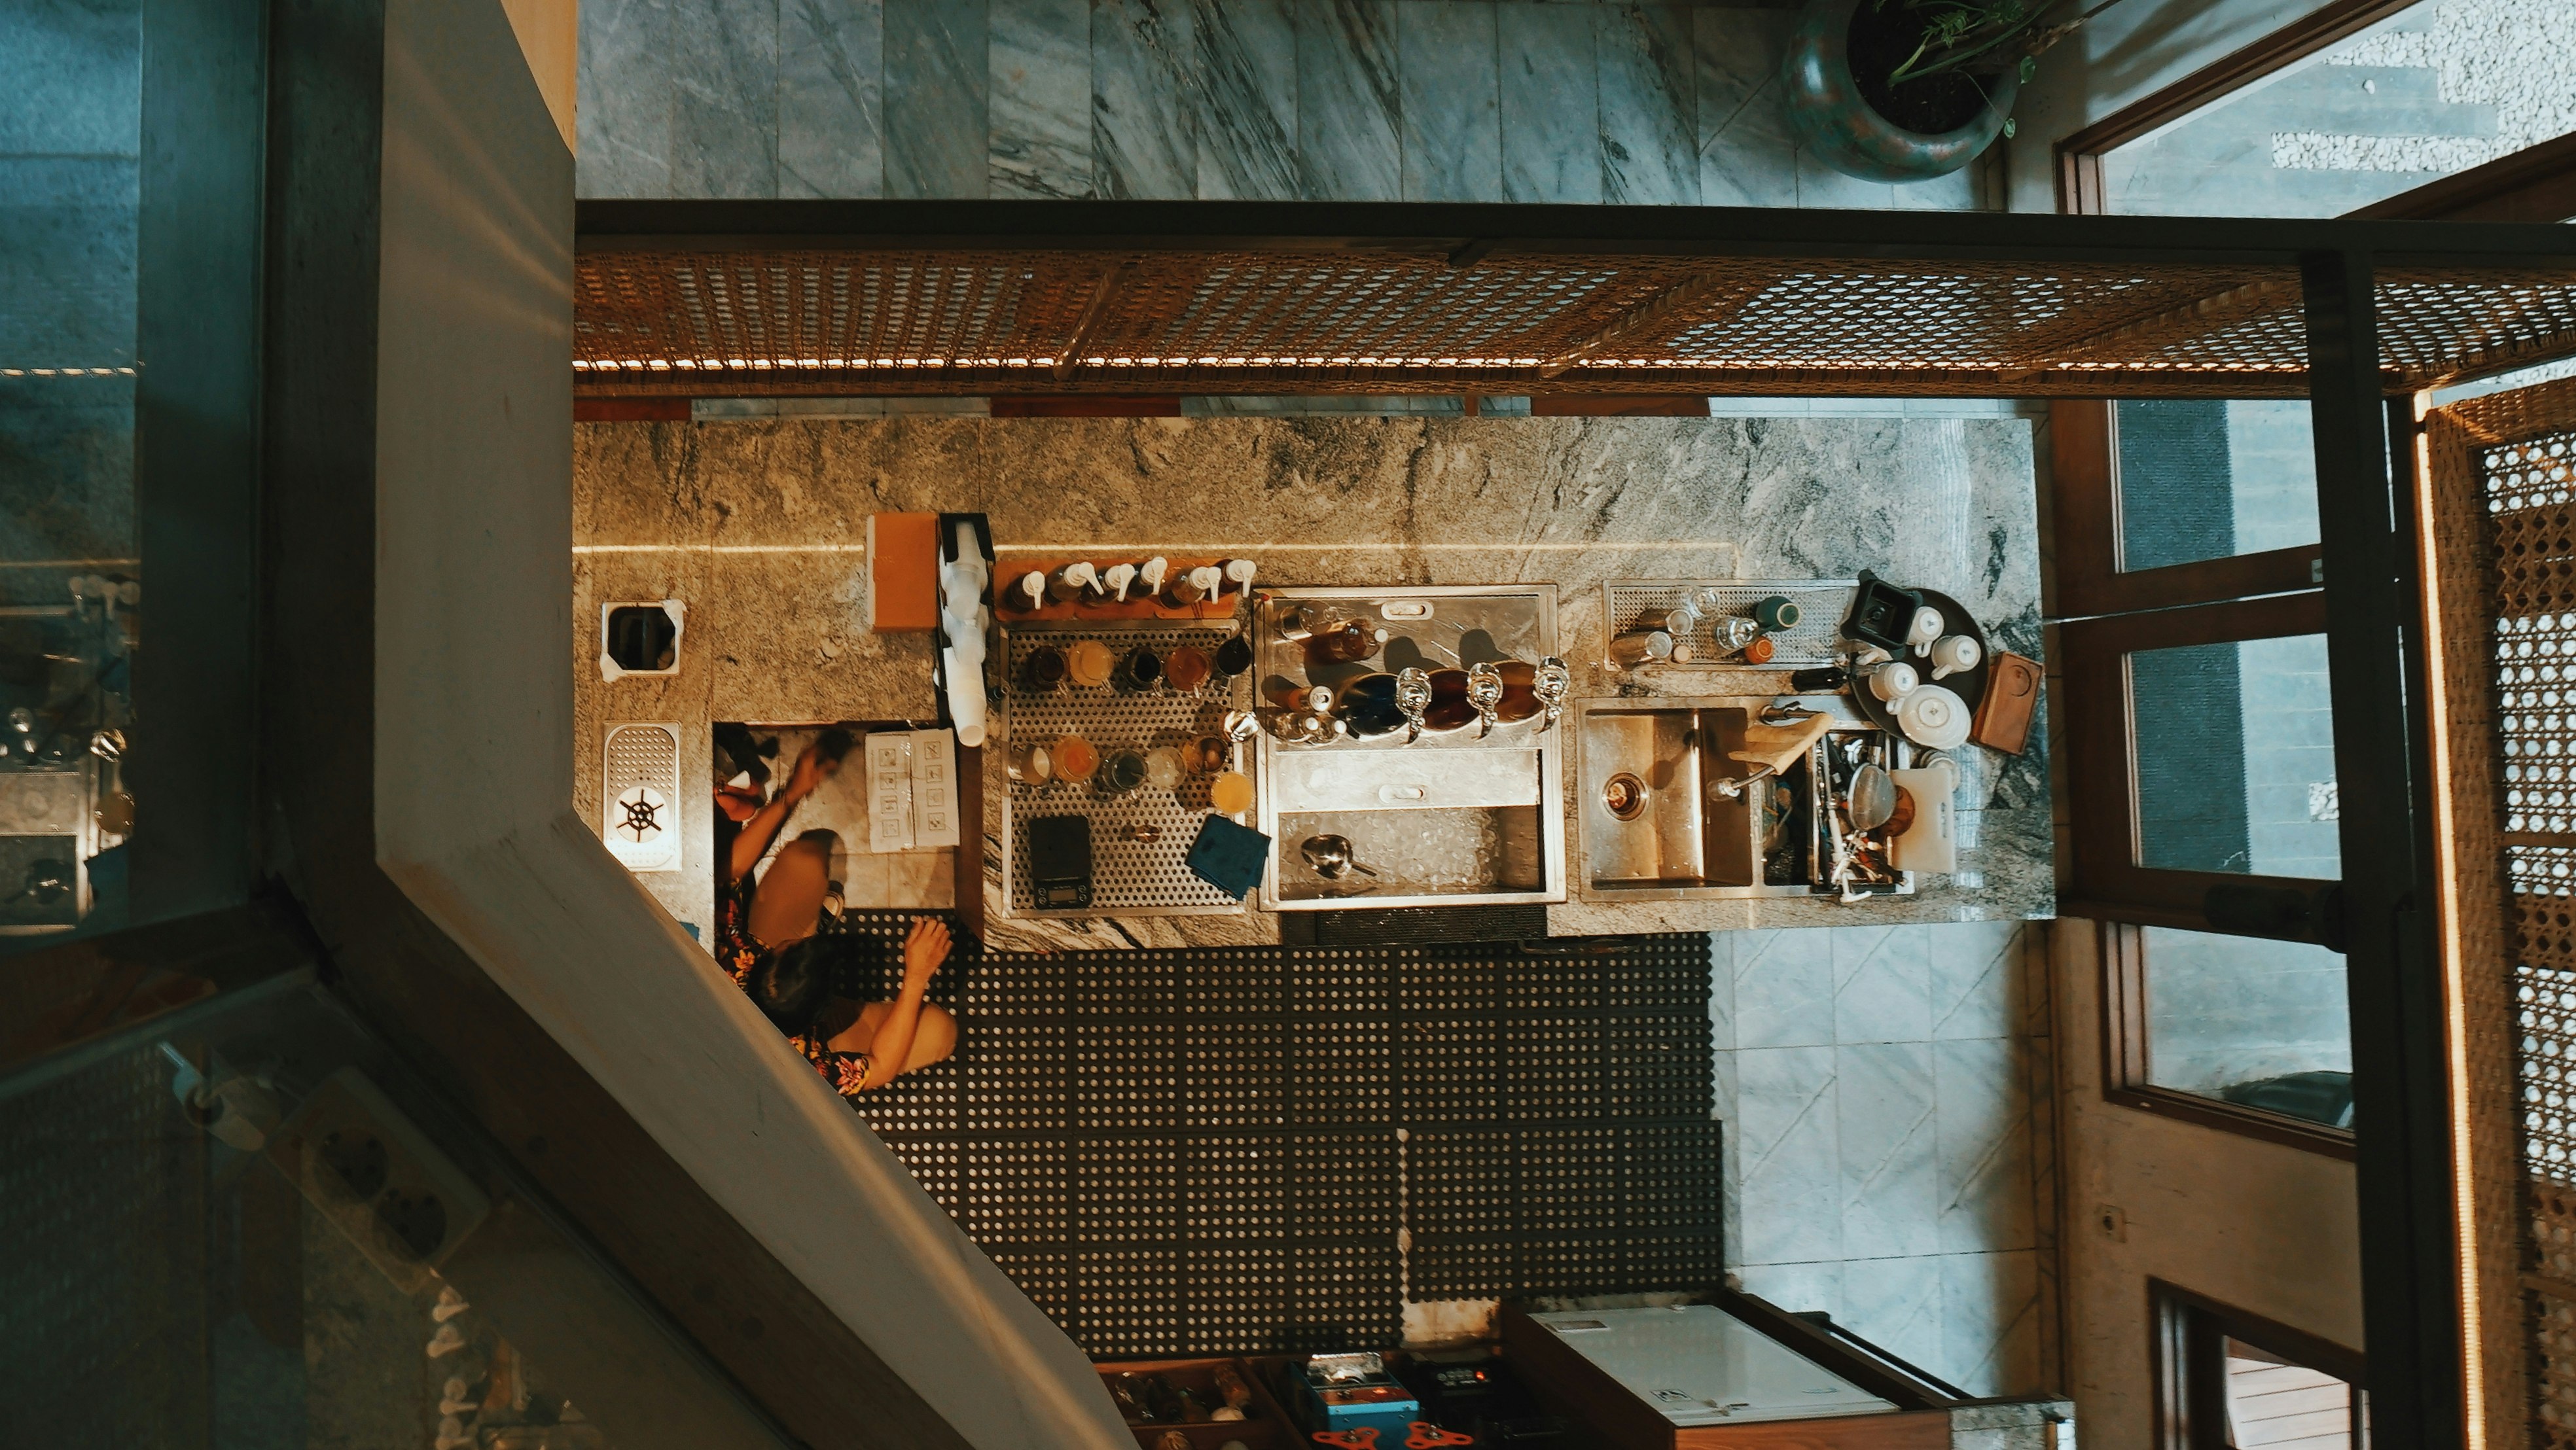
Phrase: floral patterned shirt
{"type": "Point", "coordinates": [737, 951]}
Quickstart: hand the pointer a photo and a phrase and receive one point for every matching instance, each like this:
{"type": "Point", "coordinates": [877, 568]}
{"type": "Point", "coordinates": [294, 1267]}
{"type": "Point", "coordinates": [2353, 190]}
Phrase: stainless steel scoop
{"type": "Point", "coordinates": [1331, 856]}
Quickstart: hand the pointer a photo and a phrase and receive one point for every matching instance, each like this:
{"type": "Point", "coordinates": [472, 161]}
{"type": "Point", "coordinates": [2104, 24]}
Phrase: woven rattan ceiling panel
{"type": "Point", "coordinates": [933, 321]}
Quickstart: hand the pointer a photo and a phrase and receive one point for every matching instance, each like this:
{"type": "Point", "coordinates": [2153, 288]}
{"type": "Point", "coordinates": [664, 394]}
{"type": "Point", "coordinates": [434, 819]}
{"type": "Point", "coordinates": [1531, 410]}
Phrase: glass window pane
{"type": "Point", "coordinates": [2211, 478]}
{"type": "Point", "coordinates": [2249, 1021]}
{"type": "Point", "coordinates": [2272, 1402]}
{"type": "Point", "coordinates": [2438, 88]}
{"type": "Point", "coordinates": [71, 135]}
{"type": "Point", "coordinates": [2235, 758]}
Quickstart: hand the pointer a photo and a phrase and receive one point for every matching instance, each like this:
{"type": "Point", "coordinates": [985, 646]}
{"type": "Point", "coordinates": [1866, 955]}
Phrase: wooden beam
{"type": "Point", "coordinates": [1112, 283]}
{"type": "Point", "coordinates": [1653, 314]}
{"type": "Point", "coordinates": [2191, 319]}
{"type": "Point", "coordinates": [2535, 184]}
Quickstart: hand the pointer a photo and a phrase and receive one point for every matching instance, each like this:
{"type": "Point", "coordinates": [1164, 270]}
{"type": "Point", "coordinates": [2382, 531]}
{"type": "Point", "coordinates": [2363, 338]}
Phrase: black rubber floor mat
{"type": "Point", "coordinates": [1220, 1151]}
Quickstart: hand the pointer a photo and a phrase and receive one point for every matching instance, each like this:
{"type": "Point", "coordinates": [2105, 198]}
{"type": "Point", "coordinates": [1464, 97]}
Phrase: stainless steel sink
{"type": "Point", "coordinates": [1649, 826]}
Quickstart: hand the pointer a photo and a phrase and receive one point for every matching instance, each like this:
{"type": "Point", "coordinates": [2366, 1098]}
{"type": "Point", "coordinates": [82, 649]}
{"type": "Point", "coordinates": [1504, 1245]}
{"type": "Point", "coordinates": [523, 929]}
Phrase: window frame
{"type": "Point", "coordinates": [2187, 1357]}
{"type": "Point", "coordinates": [2084, 467]}
{"type": "Point", "coordinates": [2079, 156]}
{"type": "Point", "coordinates": [2124, 1061]}
{"type": "Point", "coordinates": [2102, 762]}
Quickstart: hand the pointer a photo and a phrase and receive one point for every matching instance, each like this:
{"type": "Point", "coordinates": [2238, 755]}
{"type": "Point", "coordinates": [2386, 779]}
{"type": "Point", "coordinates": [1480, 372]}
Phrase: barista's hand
{"type": "Point", "coordinates": [923, 951]}
{"type": "Point", "coordinates": [813, 767]}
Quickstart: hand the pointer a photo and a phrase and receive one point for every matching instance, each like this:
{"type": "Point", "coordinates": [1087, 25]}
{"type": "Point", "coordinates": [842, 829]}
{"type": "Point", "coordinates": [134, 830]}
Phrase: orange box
{"type": "Point", "coordinates": [903, 572]}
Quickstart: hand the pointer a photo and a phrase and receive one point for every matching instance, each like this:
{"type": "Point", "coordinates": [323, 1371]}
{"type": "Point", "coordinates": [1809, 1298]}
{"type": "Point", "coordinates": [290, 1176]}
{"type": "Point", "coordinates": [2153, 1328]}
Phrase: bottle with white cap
{"type": "Point", "coordinates": [1238, 576]}
{"type": "Point", "coordinates": [1149, 575]}
{"type": "Point", "coordinates": [1030, 592]}
{"type": "Point", "coordinates": [1072, 582]}
{"type": "Point", "coordinates": [1193, 586]}
{"type": "Point", "coordinates": [1115, 579]}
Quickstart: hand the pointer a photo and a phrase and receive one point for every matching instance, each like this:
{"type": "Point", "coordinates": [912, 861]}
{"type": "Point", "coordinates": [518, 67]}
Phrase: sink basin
{"type": "Point", "coordinates": [1647, 821]}
{"type": "Point", "coordinates": [1648, 817]}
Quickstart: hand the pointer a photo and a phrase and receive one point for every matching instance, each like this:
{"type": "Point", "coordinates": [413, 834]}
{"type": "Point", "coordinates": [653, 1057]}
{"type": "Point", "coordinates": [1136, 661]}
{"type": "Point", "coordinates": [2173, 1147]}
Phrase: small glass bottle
{"type": "Point", "coordinates": [1346, 642]}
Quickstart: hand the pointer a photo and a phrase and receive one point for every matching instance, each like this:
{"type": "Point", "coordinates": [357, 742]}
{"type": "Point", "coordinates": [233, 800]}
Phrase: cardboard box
{"type": "Point", "coordinates": [903, 573]}
{"type": "Point", "coordinates": [934, 789]}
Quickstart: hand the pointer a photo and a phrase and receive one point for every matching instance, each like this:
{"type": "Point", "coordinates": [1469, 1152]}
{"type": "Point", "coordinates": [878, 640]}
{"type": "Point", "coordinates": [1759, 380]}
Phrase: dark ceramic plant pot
{"type": "Point", "coordinates": [1844, 132]}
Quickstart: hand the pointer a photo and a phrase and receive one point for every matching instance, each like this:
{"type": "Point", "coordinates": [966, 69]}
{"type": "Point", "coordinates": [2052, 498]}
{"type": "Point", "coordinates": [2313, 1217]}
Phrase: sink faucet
{"type": "Point", "coordinates": [1552, 684]}
{"type": "Point", "coordinates": [1412, 696]}
{"type": "Point", "coordinates": [1484, 691]}
{"type": "Point", "coordinates": [1733, 786]}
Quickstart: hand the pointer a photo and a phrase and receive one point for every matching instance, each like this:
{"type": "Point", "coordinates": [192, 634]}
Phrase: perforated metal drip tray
{"type": "Point", "coordinates": [1822, 605]}
{"type": "Point", "coordinates": [1138, 841]}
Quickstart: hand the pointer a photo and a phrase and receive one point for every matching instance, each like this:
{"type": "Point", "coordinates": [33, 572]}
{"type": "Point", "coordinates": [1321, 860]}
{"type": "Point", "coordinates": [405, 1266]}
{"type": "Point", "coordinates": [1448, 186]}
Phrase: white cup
{"type": "Point", "coordinates": [1952, 653]}
{"type": "Point", "coordinates": [1926, 628]}
{"type": "Point", "coordinates": [1893, 681]}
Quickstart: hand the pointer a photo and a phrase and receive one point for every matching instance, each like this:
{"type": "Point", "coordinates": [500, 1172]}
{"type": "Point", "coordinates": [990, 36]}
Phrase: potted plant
{"type": "Point", "coordinates": [1906, 90]}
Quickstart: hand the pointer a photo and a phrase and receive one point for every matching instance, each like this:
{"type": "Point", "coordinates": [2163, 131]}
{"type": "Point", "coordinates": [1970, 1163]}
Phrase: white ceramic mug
{"type": "Point", "coordinates": [1926, 628]}
{"type": "Point", "coordinates": [1893, 681]}
{"type": "Point", "coordinates": [1952, 653]}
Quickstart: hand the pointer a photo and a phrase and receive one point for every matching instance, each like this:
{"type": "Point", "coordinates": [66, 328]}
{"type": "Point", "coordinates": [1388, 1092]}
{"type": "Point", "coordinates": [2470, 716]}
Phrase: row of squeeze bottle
{"type": "Point", "coordinates": [1081, 583]}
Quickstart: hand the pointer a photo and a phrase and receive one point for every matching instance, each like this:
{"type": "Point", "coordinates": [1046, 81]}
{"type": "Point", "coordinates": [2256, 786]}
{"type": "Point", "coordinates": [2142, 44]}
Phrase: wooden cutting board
{"type": "Point", "coordinates": [1781, 746]}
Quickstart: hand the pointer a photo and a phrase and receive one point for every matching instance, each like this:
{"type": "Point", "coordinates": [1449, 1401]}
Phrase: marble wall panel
{"type": "Point", "coordinates": [723, 71]}
{"type": "Point", "coordinates": [1550, 102]}
{"type": "Point", "coordinates": [1790, 1158]}
{"type": "Point", "coordinates": [1900, 1300]}
{"type": "Point", "coordinates": [1445, 64]}
{"type": "Point", "coordinates": [831, 98]}
{"type": "Point", "coordinates": [1978, 986]}
{"type": "Point", "coordinates": [622, 105]}
{"type": "Point", "coordinates": [1820, 185]}
{"type": "Point", "coordinates": [1040, 109]}
{"type": "Point", "coordinates": [1882, 983]}
{"type": "Point", "coordinates": [1649, 105]}
{"type": "Point", "coordinates": [1889, 1144]}
{"type": "Point", "coordinates": [1349, 110]}
{"type": "Point", "coordinates": [1747, 156]}
{"type": "Point", "coordinates": [1247, 68]}
{"type": "Point", "coordinates": [1985, 1146]}
{"type": "Point", "coordinates": [1144, 120]}
{"type": "Point", "coordinates": [1958, 191]}
{"type": "Point", "coordinates": [1784, 988]}
{"type": "Point", "coordinates": [1992, 1314]}
{"type": "Point", "coordinates": [937, 79]}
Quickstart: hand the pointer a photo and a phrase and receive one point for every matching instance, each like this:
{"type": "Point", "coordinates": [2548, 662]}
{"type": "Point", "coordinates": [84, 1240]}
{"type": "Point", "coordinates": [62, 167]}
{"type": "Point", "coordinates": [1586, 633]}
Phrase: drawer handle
{"type": "Point", "coordinates": [1393, 793]}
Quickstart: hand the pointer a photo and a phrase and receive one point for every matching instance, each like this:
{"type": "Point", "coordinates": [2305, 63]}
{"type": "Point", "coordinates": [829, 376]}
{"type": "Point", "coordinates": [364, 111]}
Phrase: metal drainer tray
{"type": "Point", "coordinates": [1128, 878]}
{"type": "Point", "coordinates": [1822, 604]}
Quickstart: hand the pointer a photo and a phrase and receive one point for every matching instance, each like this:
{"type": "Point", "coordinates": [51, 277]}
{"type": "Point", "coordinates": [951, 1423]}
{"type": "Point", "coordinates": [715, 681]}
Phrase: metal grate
{"type": "Point", "coordinates": [1822, 604]}
{"type": "Point", "coordinates": [639, 795]}
{"type": "Point", "coordinates": [1222, 1151]}
{"type": "Point", "coordinates": [1357, 319]}
{"type": "Point", "coordinates": [1128, 876]}
{"type": "Point", "coordinates": [2503, 476]}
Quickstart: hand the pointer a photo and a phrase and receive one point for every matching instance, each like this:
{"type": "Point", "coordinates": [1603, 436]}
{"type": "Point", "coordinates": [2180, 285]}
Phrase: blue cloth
{"type": "Point", "coordinates": [1227, 856]}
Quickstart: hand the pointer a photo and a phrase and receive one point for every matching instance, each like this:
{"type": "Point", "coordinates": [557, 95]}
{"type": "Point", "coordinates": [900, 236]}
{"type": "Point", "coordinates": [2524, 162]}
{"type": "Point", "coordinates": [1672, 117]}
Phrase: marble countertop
{"type": "Point", "coordinates": [758, 524]}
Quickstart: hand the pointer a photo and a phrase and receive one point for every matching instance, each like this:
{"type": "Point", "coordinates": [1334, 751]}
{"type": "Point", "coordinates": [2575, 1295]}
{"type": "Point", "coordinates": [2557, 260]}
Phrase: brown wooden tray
{"type": "Point", "coordinates": [1266, 1428]}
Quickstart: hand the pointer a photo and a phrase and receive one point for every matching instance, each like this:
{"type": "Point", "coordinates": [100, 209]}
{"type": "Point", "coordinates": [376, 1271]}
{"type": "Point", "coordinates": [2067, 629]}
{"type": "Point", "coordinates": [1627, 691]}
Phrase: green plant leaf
{"type": "Point", "coordinates": [2029, 68]}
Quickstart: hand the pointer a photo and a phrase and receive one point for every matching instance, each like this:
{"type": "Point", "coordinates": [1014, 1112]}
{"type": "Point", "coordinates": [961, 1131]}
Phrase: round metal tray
{"type": "Point", "coordinates": [1968, 685]}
